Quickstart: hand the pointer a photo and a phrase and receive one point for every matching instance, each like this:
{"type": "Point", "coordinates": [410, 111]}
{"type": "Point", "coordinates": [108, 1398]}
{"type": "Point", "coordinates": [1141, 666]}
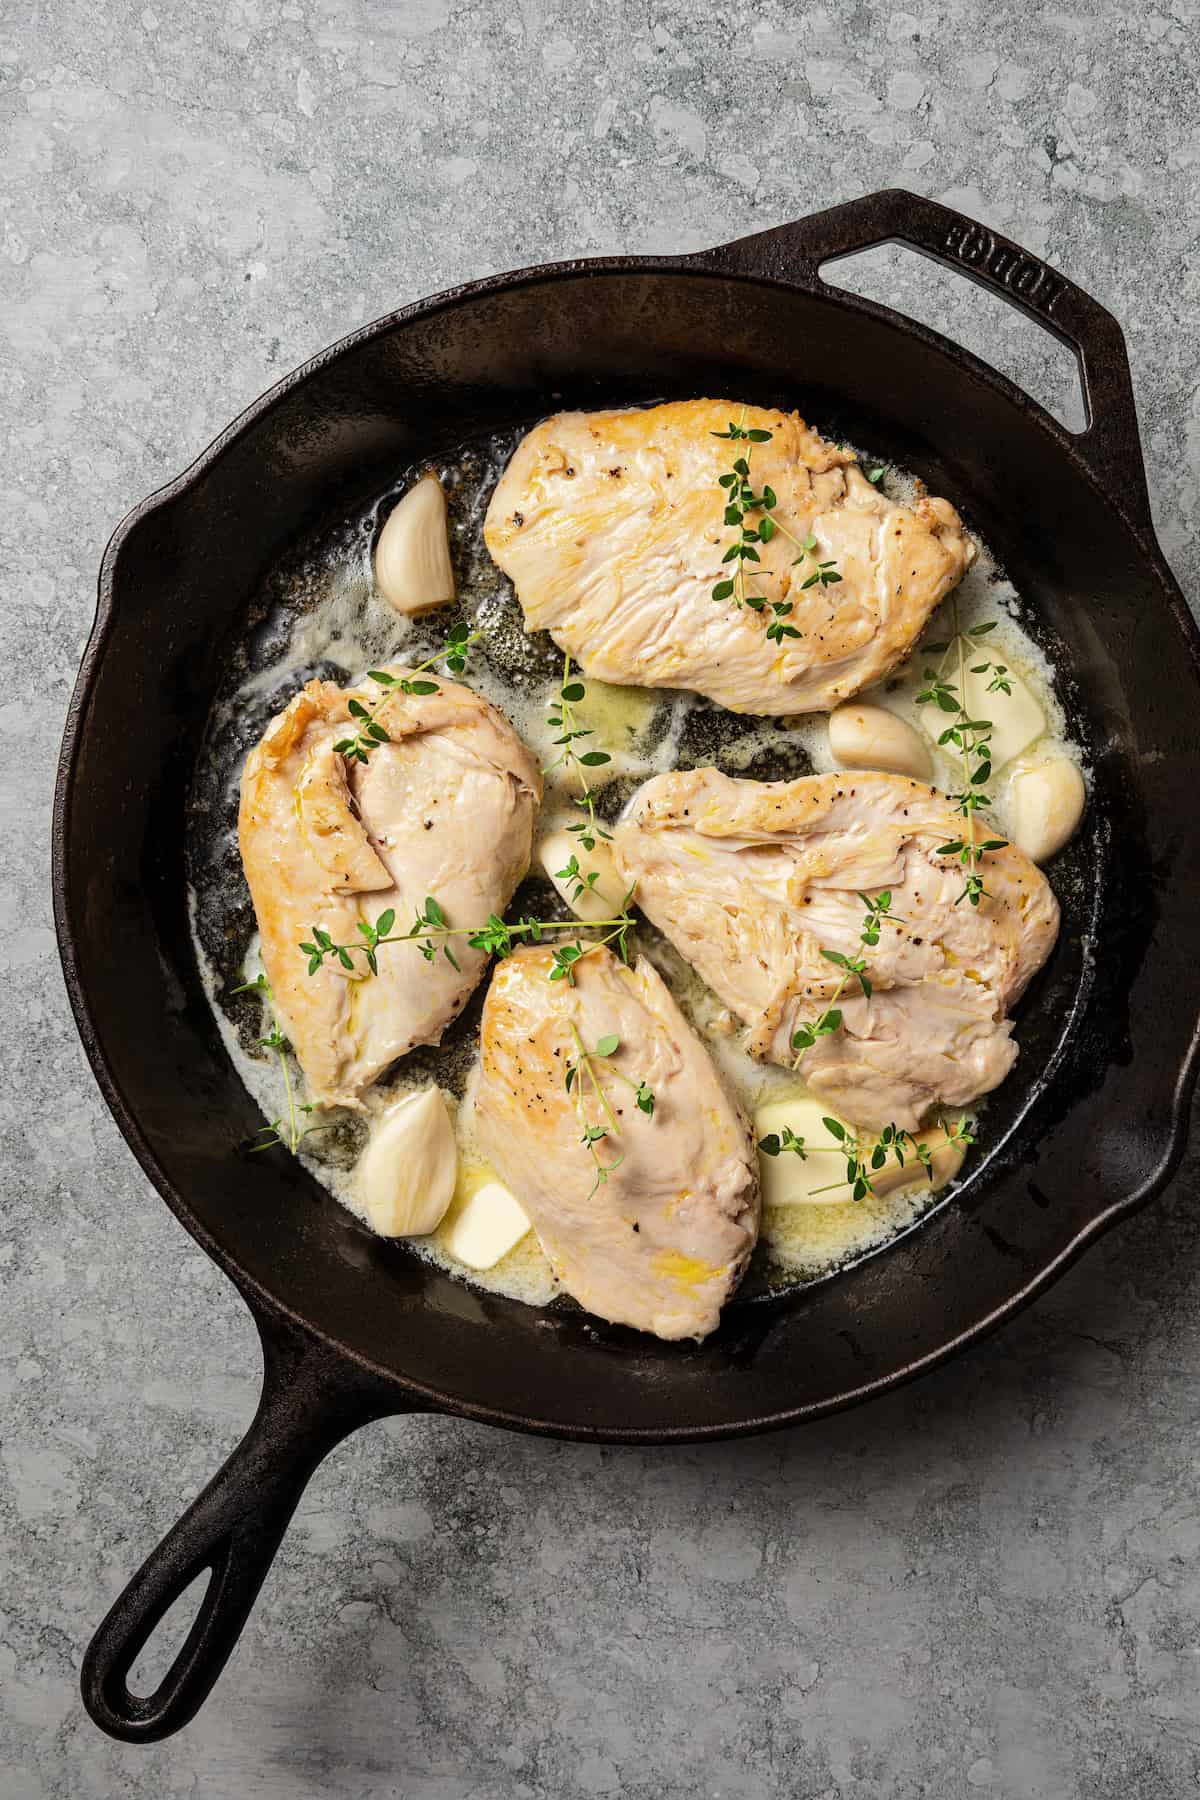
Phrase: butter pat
{"type": "Point", "coordinates": [600, 899]}
{"type": "Point", "coordinates": [406, 1175]}
{"type": "Point", "coordinates": [789, 1179]}
{"type": "Point", "coordinates": [1017, 719]}
{"type": "Point", "coordinates": [490, 1224]}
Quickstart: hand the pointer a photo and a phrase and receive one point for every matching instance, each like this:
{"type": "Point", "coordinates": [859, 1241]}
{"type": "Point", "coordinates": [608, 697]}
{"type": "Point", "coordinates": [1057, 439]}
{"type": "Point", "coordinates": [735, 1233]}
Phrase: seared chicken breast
{"type": "Point", "coordinates": [445, 808]}
{"type": "Point", "coordinates": [752, 880]}
{"type": "Point", "coordinates": [662, 1239]}
{"type": "Point", "coordinates": [612, 527]}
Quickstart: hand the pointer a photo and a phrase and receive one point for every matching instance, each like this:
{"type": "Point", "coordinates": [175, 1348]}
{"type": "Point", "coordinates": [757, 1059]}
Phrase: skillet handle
{"type": "Point", "coordinates": [1111, 445]}
{"type": "Point", "coordinates": [311, 1400]}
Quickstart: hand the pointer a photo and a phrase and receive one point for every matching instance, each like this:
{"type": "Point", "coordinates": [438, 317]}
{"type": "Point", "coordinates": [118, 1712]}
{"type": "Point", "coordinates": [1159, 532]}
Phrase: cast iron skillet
{"type": "Point", "coordinates": [353, 1329]}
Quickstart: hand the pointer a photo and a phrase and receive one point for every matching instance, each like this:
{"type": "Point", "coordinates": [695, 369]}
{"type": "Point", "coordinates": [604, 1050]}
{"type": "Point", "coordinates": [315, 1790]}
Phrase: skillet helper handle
{"type": "Point", "coordinates": [311, 1400]}
{"type": "Point", "coordinates": [1110, 446]}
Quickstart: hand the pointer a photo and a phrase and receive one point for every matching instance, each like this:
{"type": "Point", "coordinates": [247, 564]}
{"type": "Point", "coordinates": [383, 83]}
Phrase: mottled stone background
{"type": "Point", "coordinates": [987, 1584]}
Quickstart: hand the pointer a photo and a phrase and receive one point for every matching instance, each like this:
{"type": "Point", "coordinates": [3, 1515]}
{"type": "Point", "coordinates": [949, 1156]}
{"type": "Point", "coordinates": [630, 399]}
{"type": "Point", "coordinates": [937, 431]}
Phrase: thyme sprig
{"type": "Point", "coordinates": [588, 1069]}
{"type": "Point", "coordinates": [878, 911]}
{"type": "Point", "coordinates": [498, 937]}
{"type": "Point", "coordinates": [865, 1156]}
{"type": "Point", "coordinates": [432, 932]}
{"type": "Point", "coordinates": [286, 1131]}
{"type": "Point", "coordinates": [371, 731]}
{"type": "Point", "coordinates": [564, 720]}
{"type": "Point", "coordinates": [999, 684]}
{"type": "Point", "coordinates": [741, 500]}
{"type": "Point", "coordinates": [824, 572]}
{"type": "Point", "coordinates": [972, 740]}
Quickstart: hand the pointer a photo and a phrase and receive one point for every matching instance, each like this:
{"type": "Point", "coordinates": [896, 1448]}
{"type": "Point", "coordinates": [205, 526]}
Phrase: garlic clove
{"type": "Point", "coordinates": [405, 1177]}
{"type": "Point", "coordinates": [946, 1160]}
{"type": "Point", "coordinates": [599, 899]}
{"type": "Point", "coordinates": [1017, 719]}
{"type": "Point", "coordinates": [1045, 805]}
{"type": "Point", "coordinates": [490, 1224]}
{"type": "Point", "coordinates": [871, 737]}
{"type": "Point", "coordinates": [412, 558]}
{"type": "Point", "coordinates": [789, 1180]}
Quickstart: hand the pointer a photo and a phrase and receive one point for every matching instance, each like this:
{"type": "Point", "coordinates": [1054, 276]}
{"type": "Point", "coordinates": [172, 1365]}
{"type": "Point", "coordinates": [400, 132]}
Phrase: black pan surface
{"type": "Point", "coordinates": [353, 1327]}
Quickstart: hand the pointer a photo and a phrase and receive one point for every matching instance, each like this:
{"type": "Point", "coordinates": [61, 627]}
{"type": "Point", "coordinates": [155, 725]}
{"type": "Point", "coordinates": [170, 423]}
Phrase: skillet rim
{"type": "Point", "coordinates": [266, 1306]}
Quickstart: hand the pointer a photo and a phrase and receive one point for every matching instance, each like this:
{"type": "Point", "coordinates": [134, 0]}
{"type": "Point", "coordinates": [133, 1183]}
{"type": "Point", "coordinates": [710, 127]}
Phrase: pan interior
{"type": "Point", "coordinates": [316, 617]}
{"type": "Point", "coordinates": [1093, 1110]}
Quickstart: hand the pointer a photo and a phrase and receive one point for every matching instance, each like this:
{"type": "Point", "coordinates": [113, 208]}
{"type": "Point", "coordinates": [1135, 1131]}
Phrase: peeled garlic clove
{"type": "Point", "coordinates": [946, 1159]}
{"type": "Point", "coordinates": [1016, 718]}
{"type": "Point", "coordinates": [1045, 805]}
{"type": "Point", "coordinates": [412, 558]}
{"type": "Point", "coordinates": [405, 1176]}
{"type": "Point", "coordinates": [489, 1225]}
{"type": "Point", "coordinates": [871, 737]}
{"type": "Point", "coordinates": [600, 899]}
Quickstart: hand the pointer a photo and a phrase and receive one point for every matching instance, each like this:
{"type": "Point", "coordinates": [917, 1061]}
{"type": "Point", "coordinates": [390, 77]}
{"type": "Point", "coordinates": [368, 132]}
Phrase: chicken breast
{"type": "Point", "coordinates": [752, 880]}
{"type": "Point", "coordinates": [446, 808]}
{"type": "Point", "coordinates": [662, 1240]}
{"type": "Point", "coordinates": [612, 528]}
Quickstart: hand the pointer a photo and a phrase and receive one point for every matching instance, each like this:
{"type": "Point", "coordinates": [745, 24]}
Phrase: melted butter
{"type": "Point", "coordinates": [685, 1271]}
{"type": "Point", "coordinates": [807, 1241]}
{"type": "Point", "coordinates": [619, 715]}
{"type": "Point", "coordinates": [525, 1272]}
{"type": "Point", "coordinates": [618, 721]}
{"type": "Point", "coordinates": [334, 624]}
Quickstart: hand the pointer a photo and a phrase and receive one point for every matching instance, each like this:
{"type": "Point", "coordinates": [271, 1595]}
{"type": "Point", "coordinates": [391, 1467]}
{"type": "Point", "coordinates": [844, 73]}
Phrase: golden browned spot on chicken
{"type": "Point", "coordinates": [621, 572]}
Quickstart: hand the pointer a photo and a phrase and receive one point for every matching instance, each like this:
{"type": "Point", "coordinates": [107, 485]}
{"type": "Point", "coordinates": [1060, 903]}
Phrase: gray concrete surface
{"type": "Point", "coordinates": [985, 1585]}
